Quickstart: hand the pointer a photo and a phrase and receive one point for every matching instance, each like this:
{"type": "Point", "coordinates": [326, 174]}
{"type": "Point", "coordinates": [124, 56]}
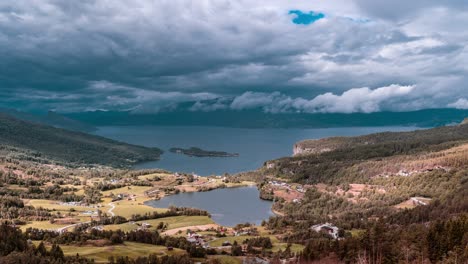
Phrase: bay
{"type": "Point", "coordinates": [255, 146]}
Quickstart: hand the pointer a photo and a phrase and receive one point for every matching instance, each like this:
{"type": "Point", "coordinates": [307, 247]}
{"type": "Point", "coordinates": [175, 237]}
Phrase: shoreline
{"type": "Point", "coordinates": [277, 213]}
{"type": "Point", "coordinates": [199, 206]}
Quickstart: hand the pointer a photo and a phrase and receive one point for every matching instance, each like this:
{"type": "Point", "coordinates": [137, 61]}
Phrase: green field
{"type": "Point", "coordinates": [41, 225]}
{"type": "Point", "coordinates": [296, 248]}
{"type": "Point", "coordinates": [173, 222]}
{"type": "Point", "coordinates": [55, 205]}
{"type": "Point", "coordinates": [136, 190]}
{"type": "Point", "coordinates": [218, 242]}
{"type": "Point", "coordinates": [276, 244]}
{"type": "Point", "coordinates": [228, 260]}
{"type": "Point", "coordinates": [128, 208]}
{"type": "Point", "coordinates": [130, 249]}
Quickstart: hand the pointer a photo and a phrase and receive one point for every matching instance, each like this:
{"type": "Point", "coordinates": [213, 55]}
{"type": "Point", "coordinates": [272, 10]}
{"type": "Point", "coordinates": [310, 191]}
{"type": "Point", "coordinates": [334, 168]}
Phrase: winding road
{"type": "Point", "coordinates": [110, 211]}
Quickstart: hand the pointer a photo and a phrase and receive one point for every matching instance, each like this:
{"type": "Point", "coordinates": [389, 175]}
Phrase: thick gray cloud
{"type": "Point", "coordinates": [403, 9]}
{"type": "Point", "coordinates": [149, 55]}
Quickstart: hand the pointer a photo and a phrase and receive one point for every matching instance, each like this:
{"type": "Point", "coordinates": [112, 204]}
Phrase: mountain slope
{"type": "Point", "coordinates": [67, 146]}
{"type": "Point", "coordinates": [51, 119]}
{"type": "Point", "coordinates": [330, 160]}
{"type": "Point", "coordinates": [388, 193]}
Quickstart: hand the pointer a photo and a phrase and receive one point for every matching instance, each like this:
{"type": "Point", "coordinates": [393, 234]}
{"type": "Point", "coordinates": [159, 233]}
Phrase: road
{"type": "Point", "coordinates": [110, 211]}
{"type": "Point", "coordinates": [62, 229]}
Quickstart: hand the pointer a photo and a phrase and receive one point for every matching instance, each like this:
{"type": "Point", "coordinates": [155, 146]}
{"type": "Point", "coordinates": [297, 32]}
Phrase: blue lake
{"type": "Point", "coordinates": [255, 146]}
{"type": "Point", "coordinates": [228, 207]}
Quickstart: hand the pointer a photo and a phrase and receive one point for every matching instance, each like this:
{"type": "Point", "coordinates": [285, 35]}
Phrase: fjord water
{"type": "Point", "coordinates": [255, 146]}
{"type": "Point", "coordinates": [227, 207]}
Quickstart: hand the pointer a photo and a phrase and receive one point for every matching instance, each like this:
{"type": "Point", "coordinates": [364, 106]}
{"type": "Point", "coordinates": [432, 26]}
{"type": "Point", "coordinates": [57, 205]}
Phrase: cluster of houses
{"type": "Point", "coordinates": [277, 183]}
{"type": "Point", "coordinates": [152, 193]}
{"type": "Point", "coordinates": [79, 204]}
{"type": "Point", "coordinates": [181, 176]}
{"type": "Point", "coordinates": [89, 212]}
{"type": "Point", "coordinates": [298, 188]}
{"type": "Point", "coordinates": [201, 240]}
{"type": "Point", "coordinates": [406, 173]}
{"type": "Point", "coordinates": [121, 196]}
{"type": "Point", "coordinates": [196, 239]}
{"type": "Point", "coordinates": [246, 232]}
{"type": "Point", "coordinates": [142, 226]}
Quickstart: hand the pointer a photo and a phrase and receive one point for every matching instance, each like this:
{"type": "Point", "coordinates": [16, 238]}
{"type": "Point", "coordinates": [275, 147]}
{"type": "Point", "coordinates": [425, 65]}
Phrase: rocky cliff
{"type": "Point", "coordinates": [319, 145]}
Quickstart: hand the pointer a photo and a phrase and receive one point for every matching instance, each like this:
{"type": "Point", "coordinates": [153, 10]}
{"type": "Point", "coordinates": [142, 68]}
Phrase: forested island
{"type": "Point", "coordinates": [198, 152]}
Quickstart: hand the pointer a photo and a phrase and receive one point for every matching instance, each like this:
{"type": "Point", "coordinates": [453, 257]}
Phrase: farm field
{"type": "Point", "coordinates": [130, 249]}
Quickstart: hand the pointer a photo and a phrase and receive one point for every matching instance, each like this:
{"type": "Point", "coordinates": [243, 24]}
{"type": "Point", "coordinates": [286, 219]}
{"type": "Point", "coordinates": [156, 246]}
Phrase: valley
{"type": "Point", "coordinates": [334, 200]}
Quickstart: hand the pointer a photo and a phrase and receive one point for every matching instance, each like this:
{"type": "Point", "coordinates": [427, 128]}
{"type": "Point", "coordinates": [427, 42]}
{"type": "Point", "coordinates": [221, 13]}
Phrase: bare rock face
{"type": "Point", "coordinates": [465, 121]}
{"type": "Point", "coordinates": [317, 146]}
{"type": "Point", "coordinates": [300, 149]}
{"type": "Point", "coordinates": [270, 165]}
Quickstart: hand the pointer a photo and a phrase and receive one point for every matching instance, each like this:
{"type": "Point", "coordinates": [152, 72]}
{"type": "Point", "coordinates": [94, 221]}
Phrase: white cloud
{"type": "Point", "coordinates": [209, 107]}
{"type": "Point", "coordinates": [363, 100]}
{"type": "Point", "coordinates": [357, 100]}
{"type": "Point", "coordinates": [461, 103]}
{"type": "Point", "coordinates": [250, 100]}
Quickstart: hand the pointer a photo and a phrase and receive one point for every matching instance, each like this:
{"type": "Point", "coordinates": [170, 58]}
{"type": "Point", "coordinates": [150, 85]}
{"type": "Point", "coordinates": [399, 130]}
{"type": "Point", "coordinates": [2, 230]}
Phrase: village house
{"type": "Point", "coordinates": [196, 239]}
{"type": "Point", "coordinates": [418, 201]}
{"type": "Point", "coordinates": [99, 228]}
{"type": "Point", "coordinates": [328, 228]}
{"type": "Point", "coordinates": [146, 225]}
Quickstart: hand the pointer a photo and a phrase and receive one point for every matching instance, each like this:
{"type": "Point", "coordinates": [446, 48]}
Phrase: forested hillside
{"type": "Point", "coordinates": [396, 197]}
{"type": "Point", "coordinates": [329, 160]}
{"type": "Point", "coordinates": [62, 145]}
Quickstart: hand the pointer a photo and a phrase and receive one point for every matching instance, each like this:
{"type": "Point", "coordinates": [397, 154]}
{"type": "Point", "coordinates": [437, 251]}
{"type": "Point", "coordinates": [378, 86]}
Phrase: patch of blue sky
{"type": "Point", "coordinates": [306, 18]}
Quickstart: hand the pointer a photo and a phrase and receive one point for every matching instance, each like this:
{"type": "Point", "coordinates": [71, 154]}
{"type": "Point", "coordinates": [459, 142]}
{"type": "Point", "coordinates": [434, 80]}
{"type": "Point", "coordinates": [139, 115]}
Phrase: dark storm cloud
{"type": "Point", "coordinates": [149, 55]}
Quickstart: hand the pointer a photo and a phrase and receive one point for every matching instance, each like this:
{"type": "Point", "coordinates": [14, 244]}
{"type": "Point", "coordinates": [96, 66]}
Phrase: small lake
{"type": "Point", "coordinates": [255, 146]}
{"type": "Point", "coordinates": [228, 207]}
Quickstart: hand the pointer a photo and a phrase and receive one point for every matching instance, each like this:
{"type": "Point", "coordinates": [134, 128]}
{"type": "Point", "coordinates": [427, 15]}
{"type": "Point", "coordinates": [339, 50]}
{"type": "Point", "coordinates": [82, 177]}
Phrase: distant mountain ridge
{"type": "Point", "coordinates": [259, 119]}
{"type": "Point", "coordinates": [68, 146]}
{"type": "Point", "coordinates": [51, 118]}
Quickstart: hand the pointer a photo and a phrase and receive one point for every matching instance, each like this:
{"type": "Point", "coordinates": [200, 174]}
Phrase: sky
{"type": "Point", "coordinates": [307, 56]}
